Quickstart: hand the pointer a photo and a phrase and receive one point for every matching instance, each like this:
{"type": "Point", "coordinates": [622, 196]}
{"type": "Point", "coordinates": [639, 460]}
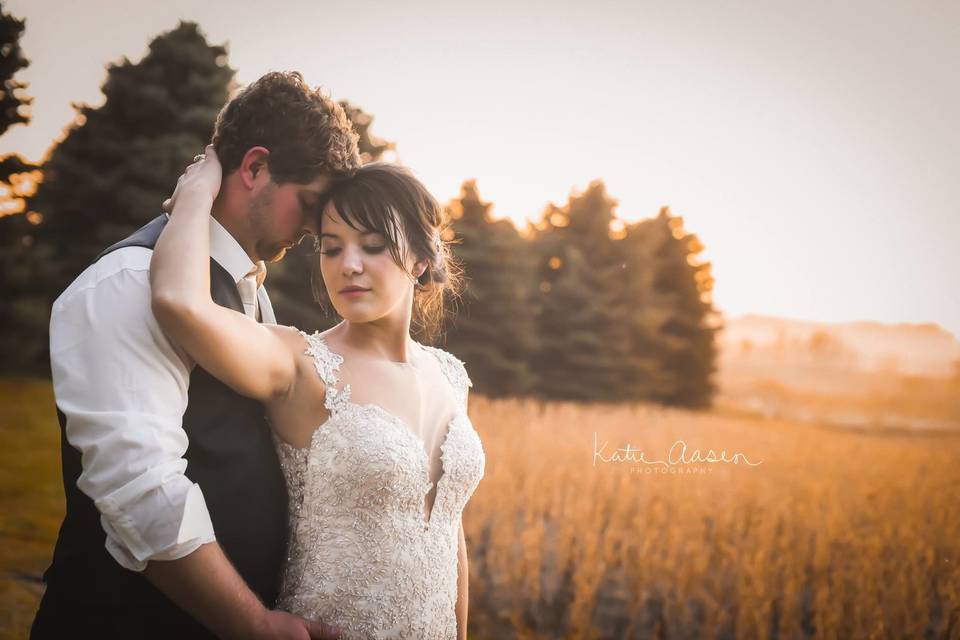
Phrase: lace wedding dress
{"type": "Point", "coordinates": [368, 553]}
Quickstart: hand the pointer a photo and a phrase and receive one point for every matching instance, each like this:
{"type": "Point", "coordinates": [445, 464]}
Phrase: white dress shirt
{"type": "Point", "coordinates": [229, 255]}
{"type": "Point", "coordinates": [122, 385]}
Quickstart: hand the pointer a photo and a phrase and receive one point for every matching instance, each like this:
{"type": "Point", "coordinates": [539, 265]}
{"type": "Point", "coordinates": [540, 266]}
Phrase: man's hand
{"type": "Point", "coordinates": [276, 625]}
{"type": "Point", "coordinates": [201, 178]}
{"type": "Point", "coordinates": [209, 589]}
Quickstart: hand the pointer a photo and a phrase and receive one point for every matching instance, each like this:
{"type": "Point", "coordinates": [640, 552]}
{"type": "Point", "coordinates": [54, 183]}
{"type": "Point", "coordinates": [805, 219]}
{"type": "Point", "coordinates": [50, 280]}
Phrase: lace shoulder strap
{"type": "Point", "coordinates": [325, 361]}
{"type": "Point", "coordinates": [455, 371]}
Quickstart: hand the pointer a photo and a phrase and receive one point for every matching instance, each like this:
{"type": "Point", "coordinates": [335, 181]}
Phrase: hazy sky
{"type": "Point", "coordinates": [813, 146]}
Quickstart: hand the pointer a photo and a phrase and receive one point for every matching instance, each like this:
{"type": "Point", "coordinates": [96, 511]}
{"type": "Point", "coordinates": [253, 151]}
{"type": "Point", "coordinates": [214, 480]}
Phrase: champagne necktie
{"type": "Point", "coordinates": [248, 287]}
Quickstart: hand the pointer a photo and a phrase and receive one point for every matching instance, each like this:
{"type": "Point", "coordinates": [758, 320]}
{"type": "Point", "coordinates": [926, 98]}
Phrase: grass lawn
{"type": "Point", "coordinates": [837, 534]}
{"type": "Point", "coordinates": [31, 497]}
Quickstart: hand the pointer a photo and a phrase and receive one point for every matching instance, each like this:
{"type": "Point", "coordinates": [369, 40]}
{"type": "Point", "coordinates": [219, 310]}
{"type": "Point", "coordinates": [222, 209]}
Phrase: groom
{"type": "Point", "coordinates": [176, 523]}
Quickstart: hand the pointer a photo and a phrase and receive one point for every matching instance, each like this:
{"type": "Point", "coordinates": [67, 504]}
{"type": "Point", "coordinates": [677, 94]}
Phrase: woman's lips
{"type": "Point", "coordinates": [353, 292]}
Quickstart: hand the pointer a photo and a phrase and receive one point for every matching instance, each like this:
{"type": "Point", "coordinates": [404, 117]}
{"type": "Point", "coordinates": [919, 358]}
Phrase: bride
{"type": "Point", "coordinates": [371, 426]}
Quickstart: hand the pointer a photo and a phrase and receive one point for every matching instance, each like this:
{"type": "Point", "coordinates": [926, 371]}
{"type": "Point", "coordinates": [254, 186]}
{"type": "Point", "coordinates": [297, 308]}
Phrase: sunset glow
{"type": "Point", "coordinates": [811, 152]}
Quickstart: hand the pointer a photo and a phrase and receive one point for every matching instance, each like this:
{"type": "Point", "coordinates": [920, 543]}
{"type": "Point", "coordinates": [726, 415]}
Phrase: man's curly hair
{"type": "Point", "coordinates": [307, 133]}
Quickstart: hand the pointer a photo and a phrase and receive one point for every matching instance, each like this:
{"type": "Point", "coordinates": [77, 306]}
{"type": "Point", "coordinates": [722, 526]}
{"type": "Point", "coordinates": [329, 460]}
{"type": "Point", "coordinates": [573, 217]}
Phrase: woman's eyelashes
{"type": "Point", "coordinates": [369, 249]}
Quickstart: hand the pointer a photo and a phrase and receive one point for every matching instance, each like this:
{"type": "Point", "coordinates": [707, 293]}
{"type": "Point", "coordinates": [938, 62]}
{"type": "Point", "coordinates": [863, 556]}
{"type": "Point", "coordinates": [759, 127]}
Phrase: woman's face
{"type": "Point", "coordinates": [361, 258]}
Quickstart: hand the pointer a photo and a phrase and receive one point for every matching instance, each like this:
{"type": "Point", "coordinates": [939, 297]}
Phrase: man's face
{"type": "Point", "coordinates": [281, 215]}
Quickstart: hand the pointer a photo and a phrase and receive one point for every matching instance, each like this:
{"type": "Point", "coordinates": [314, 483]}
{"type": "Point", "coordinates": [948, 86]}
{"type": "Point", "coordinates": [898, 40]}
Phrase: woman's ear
{"type": "Point", "coordinates": [420, 267]}
{"type": "Point", "coordinates": [253, 166]}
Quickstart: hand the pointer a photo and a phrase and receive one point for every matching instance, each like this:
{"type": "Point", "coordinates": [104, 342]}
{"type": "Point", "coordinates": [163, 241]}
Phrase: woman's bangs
{"type": "Point", "coordinates": [370, 214]}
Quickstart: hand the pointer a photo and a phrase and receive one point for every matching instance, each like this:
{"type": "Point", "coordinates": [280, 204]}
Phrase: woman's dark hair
{"type": "Point", "coordinates": [388, 199]}
{"type": "Point", "coordinates": [307, 133]}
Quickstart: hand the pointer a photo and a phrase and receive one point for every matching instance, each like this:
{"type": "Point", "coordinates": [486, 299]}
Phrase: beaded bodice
{"type": "Point", "coordinates": [363, 555]}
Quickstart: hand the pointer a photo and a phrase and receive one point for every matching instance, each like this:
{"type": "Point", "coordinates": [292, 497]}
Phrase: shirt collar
{"type": "Point", "coordinates": [228, 253]}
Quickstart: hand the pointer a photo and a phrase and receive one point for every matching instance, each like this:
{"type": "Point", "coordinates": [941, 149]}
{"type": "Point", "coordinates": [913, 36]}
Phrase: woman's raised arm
{"type": "Point", "coordinates": [250, 357]}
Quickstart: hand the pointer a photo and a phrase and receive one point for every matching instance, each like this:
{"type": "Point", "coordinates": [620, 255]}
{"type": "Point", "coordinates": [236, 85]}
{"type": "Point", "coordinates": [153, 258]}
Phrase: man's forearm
{"type": "Point", "coordinates": [207, 586]}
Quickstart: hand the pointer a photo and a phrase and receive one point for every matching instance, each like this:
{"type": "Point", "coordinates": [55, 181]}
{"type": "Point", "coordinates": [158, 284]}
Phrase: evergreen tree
{"type": "Point", "coordinates": [17, 176]}
{"type": "Point", "coordinates": [625, 309]}
{"type": "Point", "coordinates": [372, 147]}
{"type": "Point", "coordinates": [567, 325]}
{"type": "Point", "coordinates": [13, 104]}
{"type": "Point", "coordinates": [592, 216]}
{"type": "Point", "coordinates": [493, 327]}
{"type": "Point", "coordinates": [645, 376]}
{"type": "Point", "coordinates": [25, 303]}
{"type": "Point", "coordinates": [687, 339]}
{"type": "Point", "coordinates": [120, 160]}
{"type": "Point", "coordinates": [584, 314]}
{"type": "Point", "coordinates": [114, 168]}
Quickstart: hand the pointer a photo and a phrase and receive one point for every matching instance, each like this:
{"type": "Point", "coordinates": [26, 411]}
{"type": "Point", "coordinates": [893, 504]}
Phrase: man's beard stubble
{"type": "Point", "coordinates": [259, 215]}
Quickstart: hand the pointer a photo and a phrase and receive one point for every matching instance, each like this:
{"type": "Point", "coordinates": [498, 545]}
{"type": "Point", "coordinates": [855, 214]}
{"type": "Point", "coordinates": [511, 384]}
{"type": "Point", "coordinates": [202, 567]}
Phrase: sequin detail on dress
{"type": "Point", "coordinates": [362, 556]}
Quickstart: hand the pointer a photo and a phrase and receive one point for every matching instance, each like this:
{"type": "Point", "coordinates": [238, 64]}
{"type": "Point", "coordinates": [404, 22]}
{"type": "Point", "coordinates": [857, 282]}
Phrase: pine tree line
{"type": "Point", "coordinates": [580, 306]}
{"type": "Point", "coordinates": [584, 306]}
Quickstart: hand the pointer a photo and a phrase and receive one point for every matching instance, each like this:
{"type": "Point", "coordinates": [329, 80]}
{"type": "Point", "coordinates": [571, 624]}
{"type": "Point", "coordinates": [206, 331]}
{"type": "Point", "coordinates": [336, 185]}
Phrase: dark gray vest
{"type": "Point", "coordinates": [230, 455]}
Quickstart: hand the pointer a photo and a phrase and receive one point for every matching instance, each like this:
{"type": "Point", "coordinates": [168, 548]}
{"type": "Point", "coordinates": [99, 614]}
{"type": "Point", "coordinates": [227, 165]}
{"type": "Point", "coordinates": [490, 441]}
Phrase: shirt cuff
{"type": "Point", "coordinates": [128, 561]}
{"type": "Point", "coordinates": [142, 531]}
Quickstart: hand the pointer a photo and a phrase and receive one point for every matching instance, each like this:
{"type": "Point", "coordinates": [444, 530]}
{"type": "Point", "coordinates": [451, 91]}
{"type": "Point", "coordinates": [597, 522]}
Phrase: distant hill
{"type": "Point", "coordinates": [870, 347]}
{"type": "Point", "coordinates": [855, 375]}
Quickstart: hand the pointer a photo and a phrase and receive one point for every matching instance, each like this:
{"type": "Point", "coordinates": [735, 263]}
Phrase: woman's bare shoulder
{"type": "Point", "coordinates": [289, 336]}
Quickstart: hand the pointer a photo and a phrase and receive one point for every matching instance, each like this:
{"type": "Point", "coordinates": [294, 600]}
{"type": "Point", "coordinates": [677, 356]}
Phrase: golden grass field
{"type": "Point", "coordinates": [31, 498]}
{"type": "Point", "coordinates": [835, 534]}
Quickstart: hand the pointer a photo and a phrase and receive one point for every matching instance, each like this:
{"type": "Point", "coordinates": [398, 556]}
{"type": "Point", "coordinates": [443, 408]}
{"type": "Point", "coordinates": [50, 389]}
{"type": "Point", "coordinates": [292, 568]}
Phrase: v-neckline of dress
{"type": "Point", "coordinates": [418, 442]}
{"type": "Point", "coordinates": [415, 440]}
{"type": "Point", "coordinates": [342, 397]}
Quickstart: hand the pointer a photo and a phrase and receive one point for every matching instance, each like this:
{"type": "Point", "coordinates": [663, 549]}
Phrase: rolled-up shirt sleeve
{"type": "Point", "coordinates": [122, 385]}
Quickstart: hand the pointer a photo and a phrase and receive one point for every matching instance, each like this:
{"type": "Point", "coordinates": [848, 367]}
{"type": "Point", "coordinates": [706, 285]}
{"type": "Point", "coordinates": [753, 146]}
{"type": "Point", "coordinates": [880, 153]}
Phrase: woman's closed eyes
{"type": "Point", "coordinates": [368, 249]}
